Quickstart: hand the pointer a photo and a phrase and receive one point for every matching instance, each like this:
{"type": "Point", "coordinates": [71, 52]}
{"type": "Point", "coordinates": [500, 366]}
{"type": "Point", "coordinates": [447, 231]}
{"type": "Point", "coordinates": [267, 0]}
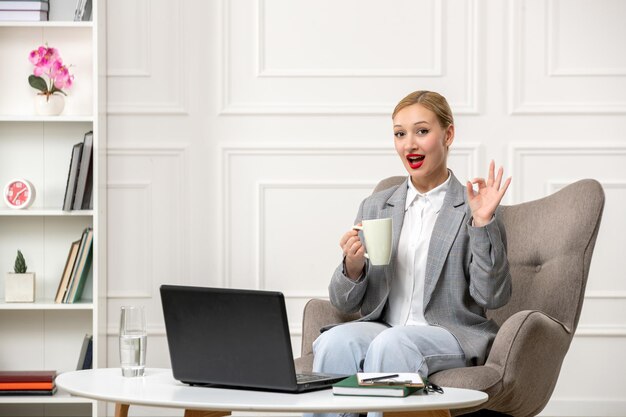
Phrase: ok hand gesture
{"type": "Point", "coordinates": [485, 201]}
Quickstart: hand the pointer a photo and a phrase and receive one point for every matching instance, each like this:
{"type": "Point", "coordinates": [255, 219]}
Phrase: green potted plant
{"type": "Point", "coordinates": [19, 286]}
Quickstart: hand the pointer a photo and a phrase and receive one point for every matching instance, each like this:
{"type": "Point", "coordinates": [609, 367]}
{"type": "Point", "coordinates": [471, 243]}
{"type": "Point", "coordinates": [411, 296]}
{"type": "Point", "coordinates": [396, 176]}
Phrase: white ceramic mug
{"type": "Point", "coordinates": [377, 234]}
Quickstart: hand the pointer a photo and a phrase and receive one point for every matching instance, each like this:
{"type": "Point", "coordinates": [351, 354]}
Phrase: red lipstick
{"type": "Point", "coordinates": [415, 160]}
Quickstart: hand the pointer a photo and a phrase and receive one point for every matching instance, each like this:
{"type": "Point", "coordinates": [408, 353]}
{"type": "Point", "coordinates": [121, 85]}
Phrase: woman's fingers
{"type": "Point", "coordinates": [470, 191]}
{"type": "Point", "coordinates": [492, 167]}
{"type": "Point", "coordinates": [347, 236]}
{"type": "Point", "coordinates": [352, 246]}
{"type": "Point", "coordinates": [498, 180]}
{"type": "Point", "coordinates": [504, 187]}
{"type": "Point", "coordinates": [350, 242]}
{"type": "Point", "coordinates": [480, 181]}
{"type": "Point", "coordinates": [493, 180]}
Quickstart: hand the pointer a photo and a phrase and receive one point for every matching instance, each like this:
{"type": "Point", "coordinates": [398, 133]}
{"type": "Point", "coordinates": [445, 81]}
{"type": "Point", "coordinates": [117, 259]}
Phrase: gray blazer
{"type": "Point", "coordinates": [467, 271]}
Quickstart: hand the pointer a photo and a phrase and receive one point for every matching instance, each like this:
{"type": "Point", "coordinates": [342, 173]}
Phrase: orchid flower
{"type": "Point", "coordinates": [48, 62]}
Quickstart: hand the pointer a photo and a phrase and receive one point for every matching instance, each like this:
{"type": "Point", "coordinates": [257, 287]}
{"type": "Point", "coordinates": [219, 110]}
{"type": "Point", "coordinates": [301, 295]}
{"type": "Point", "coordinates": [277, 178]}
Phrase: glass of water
{"type": "Point", "coordinates": [133, 337]}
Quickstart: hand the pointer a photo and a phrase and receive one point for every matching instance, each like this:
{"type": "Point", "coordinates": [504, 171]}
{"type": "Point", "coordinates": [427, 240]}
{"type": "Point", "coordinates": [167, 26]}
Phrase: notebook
{"type": "Point", "coordinates": [233, 338]}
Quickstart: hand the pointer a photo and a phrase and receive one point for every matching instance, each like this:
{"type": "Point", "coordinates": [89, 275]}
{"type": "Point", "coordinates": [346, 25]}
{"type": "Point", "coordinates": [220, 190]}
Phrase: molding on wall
{"type": "Point", "coordinates": [518, 104]}
{"type": "Point", "coordinates": [519, 151]}
{"type": "Point", "coordinates": [600, 331]}
{"type": "Point", "coordinates": [139, 149]}
{"type": "Point", "coordinates": [180, 104]}
{"type": "Point", "coordinates": [471, 151]}
{"type": "Point", "coordinates": [553, 186]}
{"type": "Point", "coordinates": [159, 330]}
{"type": "Point", "coordinates": [178, 151]}
{"type": "Point", "coordinates": [232, 150]}
{"type": "Point", "coordinates": [552, 40]}
{"type": "Point", "coordinates": [144, 70]}
{"type": "Point", "coordinates": [435, 71]}
{"type": "Point", "coordinates": [605, 295]}
{"type": "Point", "coordinates": [227, 107]}
{"type": "Point", "coordinates": [173, 108]}
{"type": "Point", "coordinates": [589, 406]}
{"type": "Point", "coordinates": [298, 295]}
{"type": "Point", "coordinates": [145, 188]}
{"type": "Point", "coordinates": [261, 188]}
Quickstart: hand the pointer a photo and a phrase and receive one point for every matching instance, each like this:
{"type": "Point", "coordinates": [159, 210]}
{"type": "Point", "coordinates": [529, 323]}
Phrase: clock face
{"type": "Point", "coordinates": [19, 194]}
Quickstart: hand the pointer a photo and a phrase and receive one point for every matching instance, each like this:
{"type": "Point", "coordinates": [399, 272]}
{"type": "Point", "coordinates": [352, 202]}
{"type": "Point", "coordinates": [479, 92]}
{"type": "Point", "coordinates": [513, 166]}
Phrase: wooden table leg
{"type": "Point", "coordinates": [121, 410]}
{"type": "Point", "coordinates": [206, 413]}
{"type": "Point", "coordinates": [433, 413]}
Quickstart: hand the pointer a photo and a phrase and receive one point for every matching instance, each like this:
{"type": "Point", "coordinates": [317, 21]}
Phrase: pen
{"type": "Point", "coordinates": [378, 378]}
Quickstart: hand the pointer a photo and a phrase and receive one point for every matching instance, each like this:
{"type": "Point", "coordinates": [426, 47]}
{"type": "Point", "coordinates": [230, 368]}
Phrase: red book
{"type": "Point", "coordinates": [7, 386]}
{"type": "Point", "coordinates": [27, 376]}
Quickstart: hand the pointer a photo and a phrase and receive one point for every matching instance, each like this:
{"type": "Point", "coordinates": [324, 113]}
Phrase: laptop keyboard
{"type": "Point", "coordinates": [306, 378]}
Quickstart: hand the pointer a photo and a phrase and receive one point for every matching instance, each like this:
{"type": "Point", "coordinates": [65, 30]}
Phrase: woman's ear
{"type": "Point", "coordinates": [449, 136]}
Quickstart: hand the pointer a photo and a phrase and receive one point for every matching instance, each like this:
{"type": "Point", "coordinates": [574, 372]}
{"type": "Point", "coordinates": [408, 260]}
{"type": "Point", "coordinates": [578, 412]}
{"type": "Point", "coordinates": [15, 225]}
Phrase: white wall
{"type": "Point", "coordinates": [234, 125]}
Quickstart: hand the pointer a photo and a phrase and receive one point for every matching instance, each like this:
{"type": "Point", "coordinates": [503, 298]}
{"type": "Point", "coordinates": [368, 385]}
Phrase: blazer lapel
{"type": "Point", "coordinates": [445, 231]}
{"type": "Point", "coordinates": [394, 208]}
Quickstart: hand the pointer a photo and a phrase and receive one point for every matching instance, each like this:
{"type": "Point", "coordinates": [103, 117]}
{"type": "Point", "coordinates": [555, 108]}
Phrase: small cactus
{"type": "Point", "coordinates": [20, 264]}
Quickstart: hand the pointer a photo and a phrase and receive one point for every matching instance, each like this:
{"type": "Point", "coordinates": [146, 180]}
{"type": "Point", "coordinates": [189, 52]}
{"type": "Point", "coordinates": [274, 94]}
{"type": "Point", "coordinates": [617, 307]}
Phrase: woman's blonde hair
{"type": "Point", "coordinates": [434, 102]}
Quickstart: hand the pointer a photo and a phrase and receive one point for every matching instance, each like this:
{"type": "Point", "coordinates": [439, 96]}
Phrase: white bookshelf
{"type": "Point", "coordinates": [44, 335]}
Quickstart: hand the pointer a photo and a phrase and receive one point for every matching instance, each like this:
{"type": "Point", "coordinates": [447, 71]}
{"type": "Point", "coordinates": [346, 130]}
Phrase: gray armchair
{"type": "Point", "coordinates": [550, 243]}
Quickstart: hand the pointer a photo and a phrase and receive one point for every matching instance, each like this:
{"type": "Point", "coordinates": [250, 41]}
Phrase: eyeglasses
{"type": "Point", "coordinates": [432, 387]}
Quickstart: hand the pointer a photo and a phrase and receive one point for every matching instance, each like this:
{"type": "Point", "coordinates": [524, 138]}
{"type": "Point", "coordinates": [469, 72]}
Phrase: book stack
{"type": "Point", "coordinates": [24, 10]}
{"type": "Point", "coordinates": [380, 385]}
{"type": "Point", "coordinates": [27, 382]}
{"type": "Point", "coordinates": [78, 190]}
{"type": "Point", "coordinates": [85, 357]}
{"type": "Point", "coordinates": [76, 271]}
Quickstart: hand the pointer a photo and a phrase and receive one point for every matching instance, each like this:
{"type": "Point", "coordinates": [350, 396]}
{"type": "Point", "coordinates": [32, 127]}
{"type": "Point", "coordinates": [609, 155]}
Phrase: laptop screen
{"type": "Point", "coordinates": [228, 337]}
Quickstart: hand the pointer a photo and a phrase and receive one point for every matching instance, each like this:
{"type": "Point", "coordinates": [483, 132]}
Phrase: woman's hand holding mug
{"type": "Point", "coordinates": [377, 234]}
{"type": "Point", "coordinates": [354, 253]}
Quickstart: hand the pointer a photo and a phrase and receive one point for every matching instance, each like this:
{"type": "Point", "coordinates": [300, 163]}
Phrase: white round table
{"type": "Point", "coordinates": [158, 388]}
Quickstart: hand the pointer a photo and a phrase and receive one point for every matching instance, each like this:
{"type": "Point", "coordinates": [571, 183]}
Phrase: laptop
{"type": "Point", "coordinates": [231, 338]}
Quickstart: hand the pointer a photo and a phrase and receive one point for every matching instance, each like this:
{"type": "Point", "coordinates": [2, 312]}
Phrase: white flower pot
{"type": "Point", "coordinates": [19, 288]}
{"type": "Point", "coordinates": [49, 105]}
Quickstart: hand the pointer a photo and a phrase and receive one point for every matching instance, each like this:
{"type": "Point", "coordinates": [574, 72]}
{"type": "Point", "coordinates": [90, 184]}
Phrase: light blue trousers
{"type": "Point", "coordinates": [373, 347]}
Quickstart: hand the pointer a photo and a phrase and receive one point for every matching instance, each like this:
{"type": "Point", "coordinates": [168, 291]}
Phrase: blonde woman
{"type": "Point", "coordinates": [425, 311]}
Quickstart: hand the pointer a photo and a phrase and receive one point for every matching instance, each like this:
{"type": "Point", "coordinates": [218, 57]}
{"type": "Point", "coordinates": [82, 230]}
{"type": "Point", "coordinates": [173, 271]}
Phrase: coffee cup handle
{"type": "Point", "coordinates": [357, 227]}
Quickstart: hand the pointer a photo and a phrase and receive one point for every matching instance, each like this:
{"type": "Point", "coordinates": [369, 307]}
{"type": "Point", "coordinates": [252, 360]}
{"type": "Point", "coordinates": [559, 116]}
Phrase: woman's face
{"type": "Point", "coordinates": [422, 145]}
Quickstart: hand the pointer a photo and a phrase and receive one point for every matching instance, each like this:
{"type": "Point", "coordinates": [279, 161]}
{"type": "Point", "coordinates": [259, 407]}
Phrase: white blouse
{"type": "Point", "coordinates": [406, 295]}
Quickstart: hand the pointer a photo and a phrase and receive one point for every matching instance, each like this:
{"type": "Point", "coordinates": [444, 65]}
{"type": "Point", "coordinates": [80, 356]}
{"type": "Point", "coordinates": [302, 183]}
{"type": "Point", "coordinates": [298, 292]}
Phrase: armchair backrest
{"type": "Point", "coordinates": [549, 244]}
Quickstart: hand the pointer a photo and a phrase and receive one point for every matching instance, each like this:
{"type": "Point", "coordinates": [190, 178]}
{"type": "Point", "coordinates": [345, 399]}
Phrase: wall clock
{"type": "Point", "coordinates": [19, 194]}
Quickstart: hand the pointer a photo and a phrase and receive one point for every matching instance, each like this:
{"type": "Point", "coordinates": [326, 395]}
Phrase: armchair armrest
{"type": "Point", "coordinates": [522, 368]}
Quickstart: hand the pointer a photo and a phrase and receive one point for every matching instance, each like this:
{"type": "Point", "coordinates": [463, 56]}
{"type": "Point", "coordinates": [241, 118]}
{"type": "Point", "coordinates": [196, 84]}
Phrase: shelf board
{"type": "Point", "coordinates": [34, 118]}
{"type": "Point", "coordinates": [8, 212]}
{"type": "Point", "coordinates": [46, 305]}
{"type": "Point", "coordinates": [48, 24]}
{"type": "Point", "coordinates": [61, 397]}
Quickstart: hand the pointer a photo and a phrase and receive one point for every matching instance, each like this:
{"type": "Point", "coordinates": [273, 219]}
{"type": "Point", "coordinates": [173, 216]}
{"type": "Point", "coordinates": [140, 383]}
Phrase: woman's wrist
{"type": "Point", "coordinates": [353, 273]}
{"type": "Point", "coordinates": [480, 222]}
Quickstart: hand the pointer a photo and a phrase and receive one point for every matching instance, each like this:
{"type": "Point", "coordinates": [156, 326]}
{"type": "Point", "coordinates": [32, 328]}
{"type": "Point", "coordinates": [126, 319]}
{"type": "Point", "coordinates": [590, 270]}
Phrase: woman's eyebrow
{"type": "Point", "coordinates": [414, 124]}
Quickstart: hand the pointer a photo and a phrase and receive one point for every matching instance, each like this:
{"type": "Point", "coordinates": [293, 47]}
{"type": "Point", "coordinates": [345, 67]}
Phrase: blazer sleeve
{"type": "Point", "coordinates": [490, 279]}
{"type": "Point", "coordinates": [346, 294]}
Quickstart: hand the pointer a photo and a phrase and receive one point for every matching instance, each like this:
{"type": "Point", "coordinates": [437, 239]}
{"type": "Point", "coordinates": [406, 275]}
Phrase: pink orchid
{"type": "Point", "coordinates": [47, 61]}
{"type": "Point", "coordinates": [61, 75]}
